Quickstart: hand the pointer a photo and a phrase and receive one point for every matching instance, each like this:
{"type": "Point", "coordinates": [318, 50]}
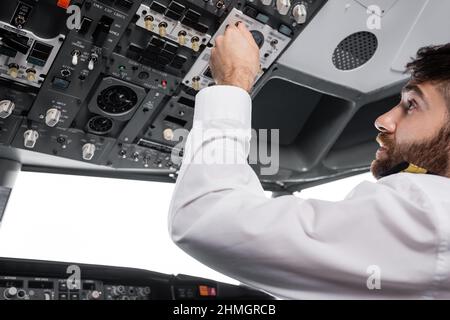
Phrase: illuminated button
{"type": "Point", "coordinates": [206, 291]}
{"type": "Point", "coordinates": [203, 291]}
{"type": "Point", "coordinates": [63, 3]}
{"type": "Point", "coordinates": [148, 22]}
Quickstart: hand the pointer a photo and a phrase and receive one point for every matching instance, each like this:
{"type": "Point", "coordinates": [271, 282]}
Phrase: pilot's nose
{"type": "Point", "coordinates": [387, 123]}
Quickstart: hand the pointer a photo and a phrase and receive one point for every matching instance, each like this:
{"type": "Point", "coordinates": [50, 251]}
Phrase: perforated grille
{"type": "Point", "coordinates": [355, 50]}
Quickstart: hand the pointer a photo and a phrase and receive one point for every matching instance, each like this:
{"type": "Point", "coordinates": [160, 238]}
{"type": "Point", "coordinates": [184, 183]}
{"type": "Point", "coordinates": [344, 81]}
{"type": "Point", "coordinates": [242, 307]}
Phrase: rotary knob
{"type": "Point", "coordinates": [6, 108]}
{"type": "Point", "coordinates": [300, 13]}
{"type": "Point", "coordinates": [52, 117]}
{"type": "Point", "coordinates": [258, 37]}
{"type": "Point", "coordinates": [10, 292]}
{"type": "Point", "coordinates": [283, 6]}
{"type": "Point", "coordinates": [30, 137]}
{"type": "Point", "coordinates": [88, 151]}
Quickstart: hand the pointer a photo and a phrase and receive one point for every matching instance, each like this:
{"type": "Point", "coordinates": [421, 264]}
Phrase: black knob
{"type": "Point", "coordinates": [258, 37]}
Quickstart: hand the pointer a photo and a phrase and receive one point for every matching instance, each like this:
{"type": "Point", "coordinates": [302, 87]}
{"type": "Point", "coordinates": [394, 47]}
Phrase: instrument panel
{"type": "Point", "coordinates": [45, 280]}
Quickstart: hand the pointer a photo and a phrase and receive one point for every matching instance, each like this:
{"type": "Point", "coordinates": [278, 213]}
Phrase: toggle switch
{"type": "Point", "coordinates": [31, 75]}
{"type": "Point", "coordinates": [6, 108]}
{"type": "Point", "coordinates": [196, 83]}
{"type": "Point", "coordinates": [93, 58]}
{"type": "Point", "coordinates": [75, 55]}
{"type": "Point", "coordinates": [148, 22]}
{"type": "Point", "coordinates": [30, 137]}
{"type": "Point", "coordinates": [135, 156]}
{"type": "Point", "coordinates": [182, 37]}
{"type": "Point", "coordinates": [13, 70]}
{"type": "Point", "coordinates": [162, 29]}
{"type": "Point", "coordinates": [195, 44]}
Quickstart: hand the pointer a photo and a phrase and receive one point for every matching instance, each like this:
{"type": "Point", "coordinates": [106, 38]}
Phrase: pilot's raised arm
{"type": "Point", "coordinates": [388, 239]}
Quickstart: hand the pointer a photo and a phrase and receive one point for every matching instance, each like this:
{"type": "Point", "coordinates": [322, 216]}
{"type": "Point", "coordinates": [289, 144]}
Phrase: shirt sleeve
{"type": "Point", "coordinates": [291, 247]}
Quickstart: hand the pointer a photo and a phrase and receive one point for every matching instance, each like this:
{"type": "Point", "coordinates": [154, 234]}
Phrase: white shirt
{"type": "Point", "coordinates": [396, 231]}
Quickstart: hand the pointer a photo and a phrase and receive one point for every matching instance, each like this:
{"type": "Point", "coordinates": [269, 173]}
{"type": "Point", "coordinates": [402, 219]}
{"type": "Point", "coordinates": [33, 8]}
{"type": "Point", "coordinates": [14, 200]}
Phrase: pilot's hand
{"type": "Point", "coordinates": [235, 58]}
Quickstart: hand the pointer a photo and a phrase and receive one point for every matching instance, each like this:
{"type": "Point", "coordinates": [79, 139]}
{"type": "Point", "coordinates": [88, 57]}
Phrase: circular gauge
{"type": "Point", "coordinates": [117, 100]}
{"type": "Point", "coordinates": [100, 125]}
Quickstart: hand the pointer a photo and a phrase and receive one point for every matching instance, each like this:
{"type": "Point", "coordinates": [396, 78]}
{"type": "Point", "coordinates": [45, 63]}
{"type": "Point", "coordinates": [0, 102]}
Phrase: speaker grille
{"type": "Point", "coordinates": [355, 50]}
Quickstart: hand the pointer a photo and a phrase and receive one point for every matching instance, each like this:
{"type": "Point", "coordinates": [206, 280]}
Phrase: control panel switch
{"type": "Point", "coordinates": [148, 21]}
{"type": "Point", "coordinates": [162, 29]}
{"type": "Point", "coordinates": [182, 37]}
{"type": "Point", "coordinates": [30, 137]}
{"type": "Point", "coordinates": [31, 75]}
{"type": "Point", "coordinates": [283, 6]}
{"type": "Point", "coordinates": [92, 61]}
{"type": "Point", "coordinates": [195, 44]}
{"type": "Point", "coordinates": [168, 134]}
{"type": "Point", "coordinates": [52, 117]}
{"type": "Point", "coordinates": [6, 108]}
{"type": "Point", "coordinates": [196, 83]}
{"type": "Point", "coordinates": [88, 151]}
{"type": "Point", "coordinates": [10, 293]}
{"type": "Point", "coordinates": [75, 55]}
{"type": "Point", "coordinates": [300, 13]}
{"type": "Point", "coordinates": [13, 70]}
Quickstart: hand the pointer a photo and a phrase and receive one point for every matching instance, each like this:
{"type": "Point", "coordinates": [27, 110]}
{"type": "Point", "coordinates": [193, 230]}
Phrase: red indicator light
{"type": "Point", "coordinates": [63, 4]}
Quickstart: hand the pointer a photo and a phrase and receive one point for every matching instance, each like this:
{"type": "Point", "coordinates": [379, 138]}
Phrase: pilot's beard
{"type": "Point", "coordinates": [432, 155]}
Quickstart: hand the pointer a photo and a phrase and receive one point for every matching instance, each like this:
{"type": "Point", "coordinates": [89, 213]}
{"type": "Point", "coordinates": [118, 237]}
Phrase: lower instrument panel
{"type": "Point", "coordinates": [38, 280]}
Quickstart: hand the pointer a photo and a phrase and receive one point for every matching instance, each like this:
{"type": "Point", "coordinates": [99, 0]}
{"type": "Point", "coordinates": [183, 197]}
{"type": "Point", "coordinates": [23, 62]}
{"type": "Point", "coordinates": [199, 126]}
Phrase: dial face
{"type": "Point", "coordinates": [117, 100]}
{"type": "Point", "coordinates": [100, 125]}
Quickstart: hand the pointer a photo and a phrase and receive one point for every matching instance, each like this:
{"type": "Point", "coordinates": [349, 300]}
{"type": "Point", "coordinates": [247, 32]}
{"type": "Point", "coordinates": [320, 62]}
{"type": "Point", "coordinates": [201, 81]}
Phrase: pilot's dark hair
{"type": "Point", "coordinates": [432, 64]}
